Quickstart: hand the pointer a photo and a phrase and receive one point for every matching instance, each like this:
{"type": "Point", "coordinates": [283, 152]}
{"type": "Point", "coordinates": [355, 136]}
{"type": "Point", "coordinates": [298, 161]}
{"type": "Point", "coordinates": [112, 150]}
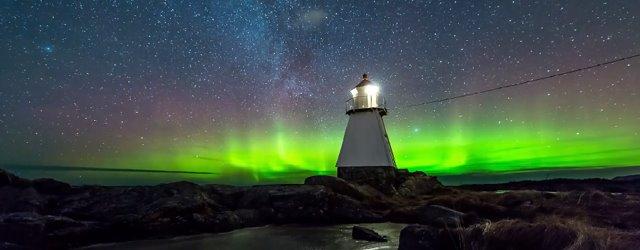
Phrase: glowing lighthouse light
{"type": "Point", "coordinates": [365, 147]}
{"type": "Point", "coordinates": [365, 94]}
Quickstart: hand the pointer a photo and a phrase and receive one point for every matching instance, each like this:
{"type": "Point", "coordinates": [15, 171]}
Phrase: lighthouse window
{"type": "Point", "coordinates": [371, 90]}
{"type": "Point", "coordinates": [354, 93]}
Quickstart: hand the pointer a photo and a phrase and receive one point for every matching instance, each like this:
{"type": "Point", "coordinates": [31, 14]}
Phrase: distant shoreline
{"type": "Point", "coordinates": [92, 175]}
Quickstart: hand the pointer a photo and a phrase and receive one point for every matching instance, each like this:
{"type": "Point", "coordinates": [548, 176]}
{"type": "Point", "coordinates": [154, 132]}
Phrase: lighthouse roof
{"type": "Point", "coordinates": [365, 81]}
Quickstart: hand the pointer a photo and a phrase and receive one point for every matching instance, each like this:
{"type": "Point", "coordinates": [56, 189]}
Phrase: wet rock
{"type": "Point", "coordinates": [347, 210]}
{"type": "Point", "coordinates": [363, 233]}
{"type": "Point", "coordinates": [301, 203]}
{"type": "Point", "coordinates": [34, 230]}
{"type": "Point", "coordinates": [415, 237]}
{"type": "Point", "coordinates": [289, 203]}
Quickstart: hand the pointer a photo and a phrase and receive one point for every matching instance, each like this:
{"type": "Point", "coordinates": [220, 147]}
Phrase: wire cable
{"type": "Point", "coordinates": [525, 82]}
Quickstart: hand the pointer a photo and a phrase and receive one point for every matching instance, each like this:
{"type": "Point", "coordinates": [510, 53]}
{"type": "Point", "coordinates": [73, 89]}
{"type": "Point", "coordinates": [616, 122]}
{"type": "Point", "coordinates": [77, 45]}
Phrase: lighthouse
{"type": "Point", "coordinates": [366, 152]}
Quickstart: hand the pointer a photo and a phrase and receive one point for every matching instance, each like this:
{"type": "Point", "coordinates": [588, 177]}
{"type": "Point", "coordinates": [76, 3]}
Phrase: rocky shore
{"type": "Point", "coordinates": [46, 213]}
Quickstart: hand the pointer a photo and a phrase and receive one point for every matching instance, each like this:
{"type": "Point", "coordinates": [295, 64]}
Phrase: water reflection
{"type": "Point", "coordinates": [286, 237]}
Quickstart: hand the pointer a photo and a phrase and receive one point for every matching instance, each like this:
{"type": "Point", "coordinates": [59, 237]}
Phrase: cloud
{"type": "Point", "coordinates": [313, 18]}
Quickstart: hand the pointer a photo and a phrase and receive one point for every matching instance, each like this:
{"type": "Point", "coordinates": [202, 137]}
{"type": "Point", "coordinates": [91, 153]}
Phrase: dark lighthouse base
{"type": "Point", "coordinates": [382, 178]}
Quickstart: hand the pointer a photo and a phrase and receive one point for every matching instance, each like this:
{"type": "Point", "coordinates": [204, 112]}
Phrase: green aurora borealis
{"type": "Point", "coordinates": [492, 133]}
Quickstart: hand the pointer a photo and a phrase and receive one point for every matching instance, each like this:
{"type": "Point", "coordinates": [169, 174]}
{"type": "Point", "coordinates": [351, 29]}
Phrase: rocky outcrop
{"type": "Point", "coordinates": [381, 178]}
{"type": "Point", "coordinates": [434, 215]}
{"type": "Point", "coordinates": [622, 184]}
{"type": "Point", "coordinates": [363, 233]}
{"type": "Point", "coordinates": [32, 230]}
{"type": "Point", "coordinates": [45, 212]}
{"type": "Point", "coordinates": [388, 180]}
{"type": "Point", "coordinates": [337, 185]}
{"type": "Point", "coordinates": [635, 177]}
{"type": "Point", "coordinates": [417, 183]}
{"type": "Point", "coordinates": [439, 216]}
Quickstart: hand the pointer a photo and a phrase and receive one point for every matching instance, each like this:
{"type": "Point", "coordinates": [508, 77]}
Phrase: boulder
{"type": "Point", "coordinates": [381, 178]}
{"type": "Point", "coordinates": [440, 216]}
{"type": "Point", "coordinates": [433, 215]}
{"type": "Point", "coordinates": [363, 233]}
{"type": "Point", "coordinates": [416, 183]}
{"type": "Point", "coordinates": [414, 237]}
{"type": "Point", "coordinates": [337, 185]}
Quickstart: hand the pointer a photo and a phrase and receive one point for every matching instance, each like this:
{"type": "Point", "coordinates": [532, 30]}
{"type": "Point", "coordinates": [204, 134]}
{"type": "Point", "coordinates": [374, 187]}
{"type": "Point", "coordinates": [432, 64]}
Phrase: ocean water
{"type": "Point", "coordinates": [285, 237]}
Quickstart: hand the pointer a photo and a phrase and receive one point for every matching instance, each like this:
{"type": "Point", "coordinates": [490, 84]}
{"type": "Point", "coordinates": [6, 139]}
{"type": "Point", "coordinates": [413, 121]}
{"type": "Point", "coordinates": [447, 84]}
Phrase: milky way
{"type": "Point", "coordinates": [258, 87]}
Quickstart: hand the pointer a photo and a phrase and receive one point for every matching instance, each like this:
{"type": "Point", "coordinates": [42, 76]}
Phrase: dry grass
{"type": "Point", "coordinates": [544, 233]}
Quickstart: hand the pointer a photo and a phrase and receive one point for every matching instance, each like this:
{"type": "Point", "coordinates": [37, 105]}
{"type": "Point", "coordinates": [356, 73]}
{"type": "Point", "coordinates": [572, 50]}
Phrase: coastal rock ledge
{"type": "Point", "coordinates": [52, 214]}
{"type": "Point", "coordinates": [46, 213]}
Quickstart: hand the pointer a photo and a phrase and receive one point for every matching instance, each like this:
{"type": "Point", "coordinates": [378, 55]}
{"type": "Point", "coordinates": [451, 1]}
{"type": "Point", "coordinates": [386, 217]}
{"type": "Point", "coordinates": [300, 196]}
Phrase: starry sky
{"type": "Point", "coordinates": [257, 89]}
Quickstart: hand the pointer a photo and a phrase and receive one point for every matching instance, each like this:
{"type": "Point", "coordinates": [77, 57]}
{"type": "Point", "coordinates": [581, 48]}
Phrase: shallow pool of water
{"type": "Point", "coordinates": [286, 237]}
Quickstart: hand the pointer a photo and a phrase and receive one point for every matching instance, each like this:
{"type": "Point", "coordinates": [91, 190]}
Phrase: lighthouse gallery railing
{"type": "Point", "coordinates": [365, 102]}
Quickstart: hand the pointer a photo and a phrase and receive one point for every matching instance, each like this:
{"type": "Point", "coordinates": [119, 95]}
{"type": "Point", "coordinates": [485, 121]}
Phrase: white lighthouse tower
{"type": "Point", "coordinates": [366, 151]}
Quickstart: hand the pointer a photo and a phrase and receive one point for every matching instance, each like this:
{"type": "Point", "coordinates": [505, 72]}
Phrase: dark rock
{"type": "Point", "coordinates": [336, 185]}
{"type": "Point", "coordinates": [440, 216]}
{"type": "Point", "coordinates": [363, 233]}
{"type": "Point", "coordinates": [415, 237]}
{"type": "Point", "coordinates": [416, 184]}
{"type": "Point", "coordinates": [347, 210]}
{"type": "Point", "coordinates": [5, 178]}
{"type": "Point", "coordinates": [147, 203]}
{"type": "Point", "coordinates": [9, 179]}
{"type": "Point", "coordinates": [618, 185]}
{"type": "Point", "coordinates": [300, 204]}
{"type": "Point", "coordinates": [51, 186]}
{"type": "Point", "coordinates": [635, 177]}
{"type": "Point", "coordinates": [381, 178]}
{"type": "Point", "coordinates": [224, 221]}
{"type": "Point", "coordinates": [20, 199]}
{"type": "Point", "coordinates": [22, 228]}
{"type": "Point", "coordinates": [46, 213]}
{"type": "Point", "coordinates": [226, 195]}
{"type": "Point", "coordinates": [433, 215]}
{"type": "Point", "coordinates": [34, 230]}
{"type": "Point", "coordinates": [289, 203]}
{"type": "Point", "coordinates": [12, 246]}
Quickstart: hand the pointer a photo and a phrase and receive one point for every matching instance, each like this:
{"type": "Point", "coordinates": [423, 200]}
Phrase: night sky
{"type": "Point", "coordinates": [256, 89]}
